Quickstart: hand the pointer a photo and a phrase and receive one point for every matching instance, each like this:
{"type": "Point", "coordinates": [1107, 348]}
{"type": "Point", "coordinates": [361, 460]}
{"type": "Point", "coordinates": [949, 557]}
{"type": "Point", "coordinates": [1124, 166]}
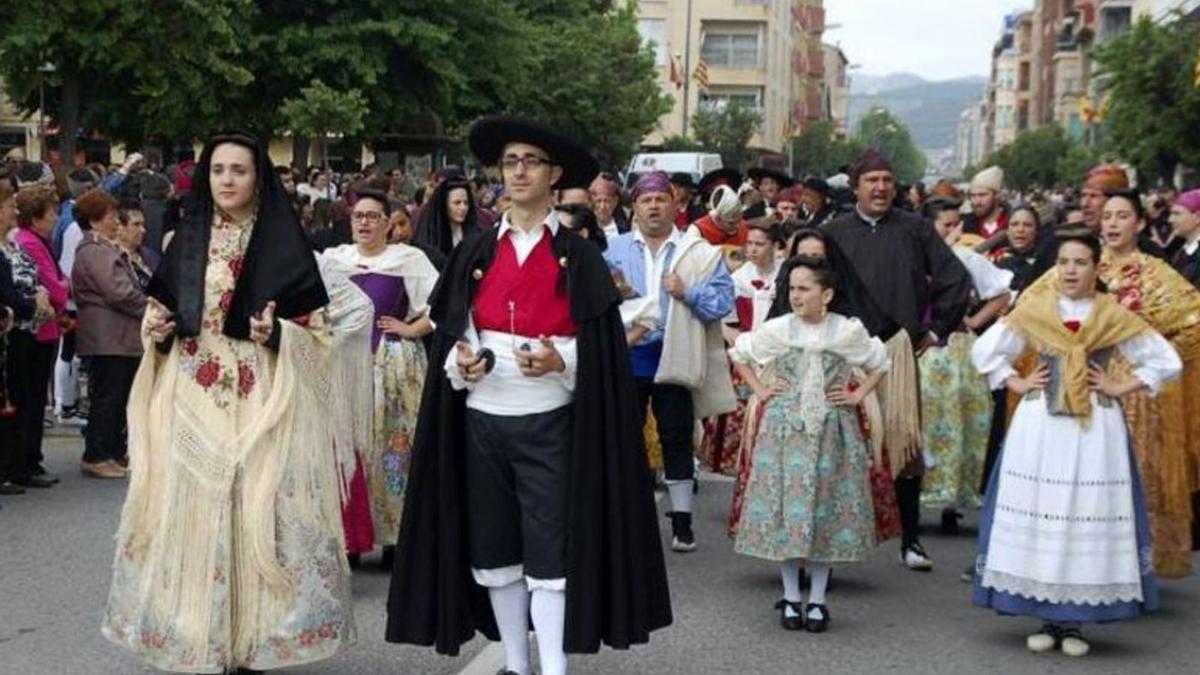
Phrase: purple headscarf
{"type": "Point", "coordinates": [1190, 200]}
{"type": "Point", "coordinates": [654, 181]}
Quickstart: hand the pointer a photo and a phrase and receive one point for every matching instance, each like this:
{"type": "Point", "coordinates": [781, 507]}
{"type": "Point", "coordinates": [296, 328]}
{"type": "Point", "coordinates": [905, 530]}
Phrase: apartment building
{"type": "Point", "coordinates": [765, 54]}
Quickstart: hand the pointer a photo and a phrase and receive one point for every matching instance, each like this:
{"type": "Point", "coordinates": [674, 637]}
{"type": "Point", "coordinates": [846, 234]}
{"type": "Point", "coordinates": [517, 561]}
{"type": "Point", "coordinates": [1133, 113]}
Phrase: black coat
{"type": "Point", "coordinates": [616, 583]}
{"type": "Point", "coordinates": [908, 271]}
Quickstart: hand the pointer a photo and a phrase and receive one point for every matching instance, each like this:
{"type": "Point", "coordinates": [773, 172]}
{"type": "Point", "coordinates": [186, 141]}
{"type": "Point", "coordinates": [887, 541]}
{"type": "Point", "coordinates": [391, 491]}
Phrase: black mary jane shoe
{"type": "Point", "coordinates": [791, 622]}
{"type": "Point", "coordinates": [817, 625]}
{"type": "Point", "coordinates": [949, 524]}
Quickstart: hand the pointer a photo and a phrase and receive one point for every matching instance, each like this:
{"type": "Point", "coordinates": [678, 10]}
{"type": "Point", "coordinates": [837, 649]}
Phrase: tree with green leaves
{"type": "Point", "coordinates": [726, 130]}
{"type": "Point", "coordinates": [818, 150]}
{"type": "Point", "coordinates": [592, 77]}
{"type": "Point", "coordinates": [138, 71]}
{"type": "Point", "coordinates": [321, 111]}
{"type": "Point", "coordinates": [879, 128]}
{"type": "Point", "coordinates": [129, 68]}
{"type": "Point", "coordinates": [1153, 112]}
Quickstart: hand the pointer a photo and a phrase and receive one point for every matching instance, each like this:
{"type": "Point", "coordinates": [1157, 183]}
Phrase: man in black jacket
{"type": "Point", "coordinates": [909, 272]}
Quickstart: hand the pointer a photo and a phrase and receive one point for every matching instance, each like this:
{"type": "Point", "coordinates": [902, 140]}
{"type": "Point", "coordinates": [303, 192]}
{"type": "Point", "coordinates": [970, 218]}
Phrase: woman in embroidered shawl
{"type": "Point", "coordinates": [1166, 428]}
{"type": "Point", "coordinates": [808, 499]}
{"type": "Point", "coordinates": [1063, 534]}
{"type": "Point", "coordinates": [230, 548]}
{"type": "Point", "coordinates": [398, 279]}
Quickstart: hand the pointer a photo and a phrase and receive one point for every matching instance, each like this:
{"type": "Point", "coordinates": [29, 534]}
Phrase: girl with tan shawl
{"type": "Point", "coordinates": [1166, 428]}
{"type": "Point", "coordinates": [1063, 534]}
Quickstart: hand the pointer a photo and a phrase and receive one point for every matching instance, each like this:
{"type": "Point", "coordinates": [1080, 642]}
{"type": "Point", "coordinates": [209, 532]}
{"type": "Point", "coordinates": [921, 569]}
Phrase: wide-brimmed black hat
{"type": "Point", "coordinates": [818, 185]}
{"type": "Point", "coordinates": [759, 172]}
{"type": "Point", "coordinates": [684, 180]}
{"type": "Point", "coordinates": [710, 180]}
{"type": "Point", "coordinates": [490, 135]}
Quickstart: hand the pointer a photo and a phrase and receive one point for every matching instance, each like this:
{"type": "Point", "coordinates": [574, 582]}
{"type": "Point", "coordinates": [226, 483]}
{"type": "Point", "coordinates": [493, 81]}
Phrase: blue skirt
{"type": "Point", "coordinates": [1016, 605]}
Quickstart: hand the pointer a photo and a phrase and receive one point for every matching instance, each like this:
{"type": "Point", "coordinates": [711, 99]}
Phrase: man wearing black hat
{"type": "Point", "coordinates": [817, 202]}
{"type": "Point", "coordinates": [529, 431]}
{"type": "Point", "coordinates": [769, 181]}
{"type": "Point", "coordinates": [909, 272]}
{"type": "Point", "coordinates": [687, 208]}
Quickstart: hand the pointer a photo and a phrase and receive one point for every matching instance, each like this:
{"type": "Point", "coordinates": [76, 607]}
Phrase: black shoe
{"type": "Point", "coordinates": [388, 559]}
{"type": "Point", "coordinates": [248, 671]}
{"type": "Point", "coordinates": [35, 482]}
{"type": "Point", "coordinates": [355, 560]}
{"type": "Point", "coordinates": [950, 518]}
{"type": "Point", "coordinates": [41, 472]}
{"type": "Point", "coordinates": [819, 625]}
{"type": "Point", "coordinates": [683, 540]}
{"type": "Point", "coordinates": [791, 622]}
{"type": "Point", "coordinates": [506, 671]}
{"type": "Point", "coordinates": [7, 488]}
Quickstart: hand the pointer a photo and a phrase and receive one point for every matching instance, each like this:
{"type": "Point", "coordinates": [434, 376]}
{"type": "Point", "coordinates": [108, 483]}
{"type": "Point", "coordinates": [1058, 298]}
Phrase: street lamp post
{"type": "Point", "coordinates": [43, 70]}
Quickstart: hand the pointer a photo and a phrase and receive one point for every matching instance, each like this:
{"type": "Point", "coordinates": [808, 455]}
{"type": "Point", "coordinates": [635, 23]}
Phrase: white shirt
{"type": "Point", "coordinates": [1192, 244]}
{"type": "Point", "coordinates": [989, 281]}
{"type": "Point", "coordinates": [505, 391]}
{"type": "Point", "coordinates": [761, 298]}
{"type": "Point", "coordinates": [610, 230]}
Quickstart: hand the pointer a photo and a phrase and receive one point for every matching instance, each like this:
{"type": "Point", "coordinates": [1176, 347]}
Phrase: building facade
{"type": "Point", "coordinates": [764, 54]}
{"type": "Point", "coordinates": [836, 86]}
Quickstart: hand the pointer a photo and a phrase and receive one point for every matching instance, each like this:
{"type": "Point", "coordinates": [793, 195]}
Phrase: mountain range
{"type": "Point", "coordinates": [930, 109]}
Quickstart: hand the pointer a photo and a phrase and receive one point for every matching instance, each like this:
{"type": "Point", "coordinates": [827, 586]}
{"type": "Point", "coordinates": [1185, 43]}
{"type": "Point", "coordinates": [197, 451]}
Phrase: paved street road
{"type": "Point", "coordinates": [57, 548]}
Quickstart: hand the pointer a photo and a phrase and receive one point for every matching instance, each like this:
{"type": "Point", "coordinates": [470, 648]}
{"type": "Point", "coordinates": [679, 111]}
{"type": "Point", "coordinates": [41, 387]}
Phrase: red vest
{"type": "Point", "coordinates": [537, 308]}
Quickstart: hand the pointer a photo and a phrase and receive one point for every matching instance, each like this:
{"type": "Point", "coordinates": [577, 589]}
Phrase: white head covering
{"type": "Point", "coordinates": [991, 178]}
{"type": "Point", "coordinates": [725, 204]}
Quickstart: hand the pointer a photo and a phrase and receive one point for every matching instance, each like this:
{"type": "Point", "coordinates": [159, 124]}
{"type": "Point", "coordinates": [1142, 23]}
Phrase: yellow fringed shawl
{"type": "Point", "coordinates": [1037, 318]}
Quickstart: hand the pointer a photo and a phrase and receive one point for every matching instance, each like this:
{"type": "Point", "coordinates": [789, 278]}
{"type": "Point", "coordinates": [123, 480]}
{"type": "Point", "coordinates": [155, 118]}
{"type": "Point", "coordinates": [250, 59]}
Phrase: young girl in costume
{"type": "Point", "coordinates": [1064, 536]}
{"type": "Point", "coordinates": [807, 499]}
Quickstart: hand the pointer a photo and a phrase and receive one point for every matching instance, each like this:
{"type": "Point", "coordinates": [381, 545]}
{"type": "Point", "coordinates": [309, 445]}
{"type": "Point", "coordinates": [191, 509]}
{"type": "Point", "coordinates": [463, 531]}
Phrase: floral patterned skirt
{"type": "Point", "coordinates": [807, 495]}
{"type": "Point", "coordinates": [399, 378]}
{"type": "Point", "coordinates": [956, 419]}
{"type": "Point", "coordinates": [883, 489]}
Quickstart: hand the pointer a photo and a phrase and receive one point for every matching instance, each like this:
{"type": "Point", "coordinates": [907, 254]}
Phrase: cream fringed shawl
{"type": "Point", "coordinates": [193, 480]}
{"type": "Point", "coordinates": [352, 380]}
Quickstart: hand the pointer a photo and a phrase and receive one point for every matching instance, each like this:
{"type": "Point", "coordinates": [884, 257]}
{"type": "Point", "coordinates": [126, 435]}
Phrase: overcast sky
{"type": "Point", "coordinates": [936, 39]}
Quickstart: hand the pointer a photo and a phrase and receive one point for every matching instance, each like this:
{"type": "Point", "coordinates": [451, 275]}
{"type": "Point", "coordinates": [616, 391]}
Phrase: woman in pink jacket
{"type": "Point", "coordinates": [36, 213]}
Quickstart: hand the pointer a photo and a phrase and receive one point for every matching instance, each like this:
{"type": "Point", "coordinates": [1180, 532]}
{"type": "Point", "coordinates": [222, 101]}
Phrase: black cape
{"type": "Point", "coordinates": [616, 578]}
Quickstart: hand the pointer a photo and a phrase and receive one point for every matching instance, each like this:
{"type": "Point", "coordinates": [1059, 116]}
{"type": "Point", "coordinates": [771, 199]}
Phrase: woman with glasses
{"type": "Point", "coordinates": [398, 279]}
{"type": "Point", "coordinates": [449, 217]}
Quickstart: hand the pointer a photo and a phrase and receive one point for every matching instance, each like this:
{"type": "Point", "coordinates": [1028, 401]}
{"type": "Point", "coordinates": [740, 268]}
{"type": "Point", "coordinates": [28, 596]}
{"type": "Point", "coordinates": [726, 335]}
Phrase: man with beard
{"type": "Point", "coordinates": [911, 274]}
{"type": "Point", "coordinates": [988, 217]}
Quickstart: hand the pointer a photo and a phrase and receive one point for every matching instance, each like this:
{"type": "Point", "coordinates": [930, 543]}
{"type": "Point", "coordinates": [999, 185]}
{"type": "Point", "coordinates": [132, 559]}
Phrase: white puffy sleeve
{"type": "Point", "coordinates": [763, 345]}
{"type": "Point", "coordinates": [860, 349]}
{"type": "Point", "coordinates": [989, 281]}
{"type": "Point", "coordinates": [1154, 360]}
{"type": "Point", "coordinates": [994, 352]}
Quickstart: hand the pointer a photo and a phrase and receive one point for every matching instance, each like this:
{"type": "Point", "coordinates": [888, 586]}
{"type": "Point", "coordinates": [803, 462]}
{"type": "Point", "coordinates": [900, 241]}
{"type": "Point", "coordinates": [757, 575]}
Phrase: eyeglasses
{"type": "Point", "coordinates": [368, 216]}
{"type": "Point", "coordinates": [531, 162]}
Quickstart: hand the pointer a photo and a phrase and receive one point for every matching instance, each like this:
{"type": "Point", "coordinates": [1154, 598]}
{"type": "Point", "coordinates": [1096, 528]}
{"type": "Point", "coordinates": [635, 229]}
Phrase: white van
{"type": "Point", "coordinates": [695, 163]}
